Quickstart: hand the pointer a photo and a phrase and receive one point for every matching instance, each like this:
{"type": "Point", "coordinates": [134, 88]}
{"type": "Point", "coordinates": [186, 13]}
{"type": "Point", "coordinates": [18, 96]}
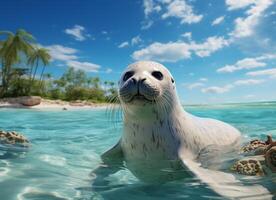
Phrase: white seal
{"type": "Point", "coordinates": [161, 141]}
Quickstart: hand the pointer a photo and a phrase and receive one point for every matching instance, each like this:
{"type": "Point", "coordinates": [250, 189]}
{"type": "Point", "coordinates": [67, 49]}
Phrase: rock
{"type": "Point", "coordinates": [30, 100]}
{"type": "Point", "coordinates": [13, 138]}
{"type": "Point", "coordinates": [270, 158]}
{"type": "Point", "coordinates": [252, 166]}
{"type": "Point", "coordinates": [253, 146]}
{"type": "Point", "coordinates": [77, 103]}
{"type": "Point", "coordinates": [264, 161]}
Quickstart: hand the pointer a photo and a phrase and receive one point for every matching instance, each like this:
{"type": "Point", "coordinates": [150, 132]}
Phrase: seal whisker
{"type": "Point", "coordinates": [113, 109]}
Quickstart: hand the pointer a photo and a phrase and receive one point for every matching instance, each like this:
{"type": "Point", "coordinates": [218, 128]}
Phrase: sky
{"type": "Point", "coordinates": [219, 51]}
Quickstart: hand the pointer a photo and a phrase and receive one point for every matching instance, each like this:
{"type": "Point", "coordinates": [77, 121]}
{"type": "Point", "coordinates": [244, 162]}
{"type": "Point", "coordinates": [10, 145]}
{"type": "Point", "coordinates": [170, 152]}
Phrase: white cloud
{"type": "Point", "coordinates": [203, 79]}
{"type": "Point", "coordinates": [123, 44]}
{"type": "Point", "coordinates": [68, 56]}
{"type": "Point", "coordinates": [78, 32]}
{"type": "Point", "coordinates": [249, 96]}
{"type": "Point", "coordinates": [146, 24]}
{"type": "Point", "coordinates": [267, 57]}
{"type": "Point", "coordinates": [180, 9]}
{"type": "Point", "coordinates": [218, 20]}
{"type": "Point", "coordinates": [187, 35]}
{"type": "Point", "coordinates": [136, 40]}
{"type": "Point", "coordinates": [237, 4]}
{"type": "Point", "coordinates": [86, 66]}
{"type": "Point", "coordinates": [217, 90]}
{"type": "Point", "coordinates": [62, 53]}
{"type": "Point", "coordinates": [267, 72]}
{"type": "Point", "coordinates": [227, 88]}
{"type": "Point", "coordinates": [195, 85]}
{"type": "Point", "coordinates": [246, 63]}
{"type": "Point", "coordinates": [150, 6]}
{"type": "Point", "coordinates": [244, 26]}
{"type": "Point", "coordinates": [170, 52]}
{"type": "Point", "coordinates": [211, 45]}
{"type": "Point", "coordinates": [108, 70]}
{"type": "Point", "coordinates": [249, 82]}
{"type": "Point", "coordinates": [174, 51]}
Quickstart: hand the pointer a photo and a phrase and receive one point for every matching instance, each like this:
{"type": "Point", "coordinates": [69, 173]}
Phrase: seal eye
{"type": "Point", "coordinates": [172, 80]}
{"type": "Point", "coordinates": [128, 75]}
{"type": "Point", "coordinates": [158, 75]}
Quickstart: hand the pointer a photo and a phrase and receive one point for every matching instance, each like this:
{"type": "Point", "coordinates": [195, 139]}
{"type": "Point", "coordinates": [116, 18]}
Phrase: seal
{"type": "Point", "coordinates": [160, 140]}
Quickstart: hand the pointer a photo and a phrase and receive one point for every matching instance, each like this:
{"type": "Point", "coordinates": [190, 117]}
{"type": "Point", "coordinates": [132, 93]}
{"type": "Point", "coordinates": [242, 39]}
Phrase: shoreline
{"type": "Point", "coordinates": [52, 104]}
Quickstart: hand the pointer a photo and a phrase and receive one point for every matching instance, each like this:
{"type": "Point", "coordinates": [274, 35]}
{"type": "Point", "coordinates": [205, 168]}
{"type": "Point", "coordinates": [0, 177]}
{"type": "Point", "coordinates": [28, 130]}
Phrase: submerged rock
{"type": "Point", "coordinates": [12, 140]}
{"type": "Point", "coordinates": [252, 166]}
{"type": "Point", "coordinates": [263, 160]}
{"type": "Point", "coordinates": [270, 158]}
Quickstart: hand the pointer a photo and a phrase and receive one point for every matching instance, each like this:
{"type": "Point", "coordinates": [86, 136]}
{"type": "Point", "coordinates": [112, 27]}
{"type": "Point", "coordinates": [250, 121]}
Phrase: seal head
{"type": "Point", "coordinates": [145, 85]}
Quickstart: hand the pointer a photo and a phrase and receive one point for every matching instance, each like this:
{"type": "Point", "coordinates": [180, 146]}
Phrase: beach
{"type": "Point", "coordinates": [50, 104]}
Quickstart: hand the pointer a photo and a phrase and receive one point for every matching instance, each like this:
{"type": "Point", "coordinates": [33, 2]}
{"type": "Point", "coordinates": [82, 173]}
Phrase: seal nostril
{"type": "Point", "coordinates": [134, 80]}
{"type": "Point", "coordinates": [142, 80]}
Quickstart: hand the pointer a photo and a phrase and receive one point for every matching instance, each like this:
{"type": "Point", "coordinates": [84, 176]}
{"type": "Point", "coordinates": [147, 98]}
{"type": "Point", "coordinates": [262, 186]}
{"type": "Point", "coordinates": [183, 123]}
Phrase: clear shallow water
{"type": "Point", "coordinates": [66, 147]}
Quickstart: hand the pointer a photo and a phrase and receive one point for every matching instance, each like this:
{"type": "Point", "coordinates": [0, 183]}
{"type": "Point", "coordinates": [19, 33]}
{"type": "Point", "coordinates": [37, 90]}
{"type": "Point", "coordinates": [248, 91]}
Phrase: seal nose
{"type": "Point", "coordinates": [137, 83]}
{"type": "Point", "coordinates": [140, 81]}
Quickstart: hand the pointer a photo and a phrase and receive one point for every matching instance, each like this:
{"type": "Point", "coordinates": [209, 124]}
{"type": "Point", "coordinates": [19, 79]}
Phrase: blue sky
{"type": "Point", "coordinates": [219, 51]}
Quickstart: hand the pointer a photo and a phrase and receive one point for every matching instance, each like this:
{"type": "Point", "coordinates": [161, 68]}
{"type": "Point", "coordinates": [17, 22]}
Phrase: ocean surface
{"type": "Point", "coordinates": [66, 147]}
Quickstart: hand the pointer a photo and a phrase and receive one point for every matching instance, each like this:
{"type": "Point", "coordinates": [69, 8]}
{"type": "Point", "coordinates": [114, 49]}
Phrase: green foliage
{"type": "Point", "coordinates": [76, 85]}
{"type": "Point", "coordinates": [23, 81]}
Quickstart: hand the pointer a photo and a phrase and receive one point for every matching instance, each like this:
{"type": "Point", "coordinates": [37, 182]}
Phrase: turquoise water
{"type": "Point", "coordinates": [66, 147]}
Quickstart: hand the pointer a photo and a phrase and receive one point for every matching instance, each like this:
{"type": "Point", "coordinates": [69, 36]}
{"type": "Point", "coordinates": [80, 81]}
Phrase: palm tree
{"type": "Point", "coordinates": [96, 82]}
{"type": "Point", "coordinates": [48, 76]}
{"type": "Point", "coordinates": [105, 85]}
{"type": "Point", "coordinates": [38, 55]}
{"type": "Point", "coordinates": [10, 50]}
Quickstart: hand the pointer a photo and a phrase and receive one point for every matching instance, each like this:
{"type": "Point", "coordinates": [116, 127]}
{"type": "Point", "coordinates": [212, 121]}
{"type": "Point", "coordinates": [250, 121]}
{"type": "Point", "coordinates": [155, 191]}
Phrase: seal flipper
{"type": "Point", "coordinates": [217, 157]}
{"type": "Point", "coordinates": [224, 184]}
{"type": "Point", "coordinates": [112, 162]}
{"type": "Point", "coordinates": [113, 156]}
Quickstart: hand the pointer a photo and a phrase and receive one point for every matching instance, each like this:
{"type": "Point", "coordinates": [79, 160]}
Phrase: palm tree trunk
{"type": "Point", "coordinates": [33, 77]}
{"type": "Point", "coordinates": [41, 75]}
{"type": "Point", "coordinates": [31, 72]}
{"type": "Point", "coordinates": [6, 78]}
{"type": "Point", "coordinates": [30, 80]}
{"type": "Point", "coordinates": [35, 70]}
{"type": "Point", "coordinates": [2, 92]}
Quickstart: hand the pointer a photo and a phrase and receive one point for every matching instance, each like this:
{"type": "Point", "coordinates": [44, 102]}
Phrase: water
{"type": "Point", "coordinates": [66, 147]}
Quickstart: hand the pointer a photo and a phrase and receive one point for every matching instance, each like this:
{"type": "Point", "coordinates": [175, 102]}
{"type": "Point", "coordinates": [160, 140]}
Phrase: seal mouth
{"type": "Point", "coordinates": [140, 97]}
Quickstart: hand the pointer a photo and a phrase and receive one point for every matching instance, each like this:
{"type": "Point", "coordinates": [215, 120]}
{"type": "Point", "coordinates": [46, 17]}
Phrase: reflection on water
{"type": "Point", "coordinates": [66, 147]}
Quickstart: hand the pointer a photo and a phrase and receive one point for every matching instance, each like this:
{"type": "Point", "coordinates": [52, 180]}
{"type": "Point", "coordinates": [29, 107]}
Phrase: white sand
{"type": "Point", "coordinates": [55, 104]}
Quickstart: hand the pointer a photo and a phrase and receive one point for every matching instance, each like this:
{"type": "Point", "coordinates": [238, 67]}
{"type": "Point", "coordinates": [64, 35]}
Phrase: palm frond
{"type": "Point", "coordinates": [25, 35]}
{"type": "Point", "coordinates": [8, 33]}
